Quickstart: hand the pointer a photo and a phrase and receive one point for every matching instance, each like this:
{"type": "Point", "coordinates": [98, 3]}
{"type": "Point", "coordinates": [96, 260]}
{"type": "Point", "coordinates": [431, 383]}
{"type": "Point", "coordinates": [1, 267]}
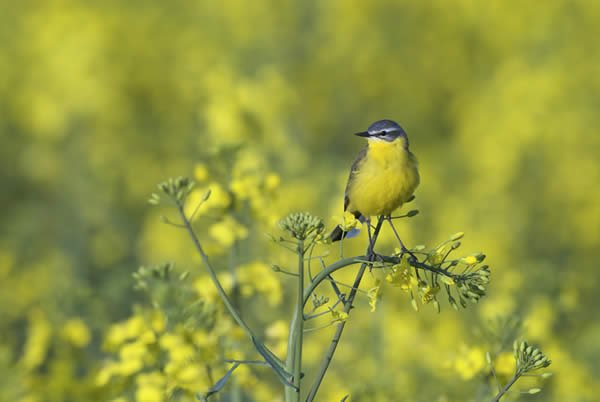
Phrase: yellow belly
{"type": "Point", "coordinates": [384, 180]}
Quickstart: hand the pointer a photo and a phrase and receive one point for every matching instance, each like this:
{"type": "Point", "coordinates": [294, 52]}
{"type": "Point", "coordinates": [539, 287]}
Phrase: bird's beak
{"type": "Point", "coordinates": [363, 134]}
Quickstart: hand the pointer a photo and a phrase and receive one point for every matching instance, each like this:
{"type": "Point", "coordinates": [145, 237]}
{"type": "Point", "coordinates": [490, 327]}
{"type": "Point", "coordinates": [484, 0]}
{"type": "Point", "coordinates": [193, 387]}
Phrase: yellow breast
{"type": "Point", "coordinates": [385, 178]}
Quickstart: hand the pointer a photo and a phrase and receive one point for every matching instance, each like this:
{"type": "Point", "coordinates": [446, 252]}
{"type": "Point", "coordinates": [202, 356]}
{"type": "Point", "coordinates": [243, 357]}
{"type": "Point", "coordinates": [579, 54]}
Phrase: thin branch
{"type": "Point", "coordinates": [506, 387]}
{"type": "Point", "coordinates": [347, 306]}
{"type": "Point", "coordinates": [261, 348]}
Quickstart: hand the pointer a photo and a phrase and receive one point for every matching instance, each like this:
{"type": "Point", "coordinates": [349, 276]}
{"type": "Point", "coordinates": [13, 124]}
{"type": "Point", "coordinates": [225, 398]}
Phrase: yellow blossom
{"type": "Point", "coordinates": [105, 373]}
{"type": "Point", "coordinates": [170, 341]}
{"type": "Point", "coordinates": [259, 277]}
{"type": "Point", "coordinates": [219, 199]}
{"type": "Point", "coordinates": [149, 393]}
{"type": "Point", "coordinates": [190, 373]}
{"type": "Point", "coordinates": [129, 367]}
{"type": "Point", "coordinates": [469, 260]}
{"type": "Point", "coordinates": [402, 276]}
{"type": "Point", "coordinates": [437, 257]}
{"type": "Point", "coordinates": [76, 332]}
{"type": "Point", "coordinates": [272, 181]}
{"type": "Point", "coordinates": [428, 293]}
{"type": "Point", "coordinates": [349, 222]}
{"type": "Point", "coordinates": [200, 172]}
{"type": "Point", "coordinates": [245, 187]}
{"type": "Point", "coordinates": [504, 364]}
{"type": "Point", "coordinates": [205, 287]}
{"type": "Point", "coordinates": [470, 363]}
{"type": "Point", "coordinates": [150, 387]}
{"type": "Point", "coordinates": [158, 321]}
{"type": "Point", "coordinates": [132, 351]}
{"type": "Point", "coordinates": [181, 353]}
{"type": "Point", "coordinates": [228, 231]}
{"type": "Point", "coordinates": [374, 294]}
{"type": "Point", "coordinates": [277, 330]}
{"type": "Point", "coordinates": [339, 315]}
{"type": "Point", "coordinates": [38, 341]}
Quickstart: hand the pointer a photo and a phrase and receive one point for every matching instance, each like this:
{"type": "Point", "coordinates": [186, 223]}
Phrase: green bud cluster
{"type": "Point", "coordinates": [157, 272]}
{"type": "Point", "coordinates": [529, 357]}
{"type": "Point", "coordinates": [472, 285]}
{"type": "Point", "coordinates": [302, 225]}
{"type": "Point", "coordinates": [172, 293]}
{"type": "Point", "coordinates": [319, 301]}
{"type": "Point", "coordinates": [176, 189]}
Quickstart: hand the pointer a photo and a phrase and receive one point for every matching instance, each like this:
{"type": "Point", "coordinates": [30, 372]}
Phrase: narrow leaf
{"type": "Point", "coordinates": [274, 362]}
{"type": "Point", "coordinates": [221, 383]}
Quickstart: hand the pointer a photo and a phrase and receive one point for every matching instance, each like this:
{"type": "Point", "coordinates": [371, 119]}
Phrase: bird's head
{"type": "Point", "coordinates": [385, 130]}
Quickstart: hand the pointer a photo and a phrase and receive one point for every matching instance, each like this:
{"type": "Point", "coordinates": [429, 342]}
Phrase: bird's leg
{"type": "Point", "coordinates": [403, 248]}
{"type": "Point", "coordinates": [372, 252]}
{"type": "Point", "coordinates": [368, 222]}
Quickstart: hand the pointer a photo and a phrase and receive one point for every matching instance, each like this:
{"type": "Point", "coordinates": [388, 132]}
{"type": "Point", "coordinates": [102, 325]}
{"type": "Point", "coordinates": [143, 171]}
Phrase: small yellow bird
{"type": "Point", "coordinates": [383, 176]}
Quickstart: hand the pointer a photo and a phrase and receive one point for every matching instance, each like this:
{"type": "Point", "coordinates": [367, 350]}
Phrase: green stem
{"type": "Point", "coordinates": [324, 274]}
{"type": "Point", "coordinates": [294, 354]}
{"type": "Point", "coordinates": [213, 275]}
{"type": "Point", "coordinates": [347, 306]}
{"type": "Point", "coordinates": [269, 356]}
{"type": "Point", "coordinates": [506, 387]}
{"type": "Point", "coordinates": [330, 269]}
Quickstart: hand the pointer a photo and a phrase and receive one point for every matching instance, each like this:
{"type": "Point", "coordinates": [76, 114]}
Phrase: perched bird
{"type": "Point", "coordinates": [383, 176]}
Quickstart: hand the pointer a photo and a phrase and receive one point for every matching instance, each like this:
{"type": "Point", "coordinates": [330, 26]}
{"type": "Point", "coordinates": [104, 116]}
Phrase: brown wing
{"type": "Point", "coordinates": [361, 155]}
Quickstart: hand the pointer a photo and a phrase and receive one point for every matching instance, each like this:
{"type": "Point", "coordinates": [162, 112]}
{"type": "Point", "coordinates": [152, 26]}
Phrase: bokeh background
{"type": "Point", "coordinates": [99, 101]}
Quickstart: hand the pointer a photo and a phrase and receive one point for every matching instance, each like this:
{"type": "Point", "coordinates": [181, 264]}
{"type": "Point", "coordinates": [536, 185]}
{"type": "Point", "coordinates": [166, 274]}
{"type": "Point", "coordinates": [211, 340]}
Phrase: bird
{"type": "Point", "coordinates": [383, 176]}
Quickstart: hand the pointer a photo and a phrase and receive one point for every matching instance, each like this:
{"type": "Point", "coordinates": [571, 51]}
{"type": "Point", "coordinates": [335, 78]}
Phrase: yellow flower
{"type": "Point", "coordinates": [189, 374]}
{"type": "Point", "coordinates": [170, 341]}
{"type": "Point", "coordinates": [470, 363]}
{"type": "Point", "coordinates": [428, 293]}
{"type": "Point", "coordinates": [105, 373]}
{"type": "Point", "coordinates": [76, 333]}
{"type": "Point", "coordinates": [439, 254]}
{"type": "Point", "coordinates": [133, 350]}
{"type": "Point", "coordinates": [349, 222]}
{"type": "Point", "coordinates": [38, 341]}
{"type": "Point", "coordinates": [228, 231]}
{"type": "Point", "coordinates": [469, 260]}
{"type": "Point", "coordinates": [374, 294]}
{"type": "Point", "coordinates": [272, 181]}
{"type": "Point", "coordinates": [402, 276]}
{"type": "Point", "coordinates": [150, 387]}
{"type": "Point", "coordinates": [200, 172]}
{"type": "Point", "coordinates": [245, 187]}
{"type": "Point", "coordinates": [206, 288]}
{"type": "Point", "coordinates": [219, 199]}
{"type": "Point", "coordinates": [277, 330]}
{"type": "Point", "coordinates": [149, 393]}
{"type": "Point", "coordinates": [504, 364]}
{"type": "Point", "coordinates": [158, 321]}
{"type": "Point", "coordinates": [129, 367]}
{"type": "Point", "coordinates": [181, 353]}
{"type": "Point", "coordinates": [258, 277]}
{"type": "Point", "coordinates": [339, 315]}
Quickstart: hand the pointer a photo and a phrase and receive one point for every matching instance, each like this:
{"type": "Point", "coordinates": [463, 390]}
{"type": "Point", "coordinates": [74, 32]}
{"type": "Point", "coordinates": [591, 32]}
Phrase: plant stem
{"type": "Point", "coordinates": [347, 306]}
{"type": "Point", "coordinates": [294, 354]}
{"type": "Point", "coordinates": [213, 275]}
{"type": "Point", "coordinates": [507, 387]}
{"type": "Point", "coordinates": [324, 274]}
{"type": "Point", "coordinates": [270, 358]}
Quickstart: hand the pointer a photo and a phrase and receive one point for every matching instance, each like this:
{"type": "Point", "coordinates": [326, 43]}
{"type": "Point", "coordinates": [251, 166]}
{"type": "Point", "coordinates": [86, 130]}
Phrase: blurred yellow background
{"type": "Point", "coordinates": [99, 101]}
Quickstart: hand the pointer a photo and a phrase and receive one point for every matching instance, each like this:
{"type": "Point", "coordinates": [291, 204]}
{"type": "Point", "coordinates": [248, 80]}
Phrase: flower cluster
{"type": "Point", "coordinates": [302, 225]}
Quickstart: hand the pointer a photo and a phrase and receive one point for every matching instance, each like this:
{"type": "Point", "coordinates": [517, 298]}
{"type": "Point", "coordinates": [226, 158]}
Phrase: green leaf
{"type": "Point", "coordinates": [275, 363]}
{"type": "Point", "coordinates": [221, 383]}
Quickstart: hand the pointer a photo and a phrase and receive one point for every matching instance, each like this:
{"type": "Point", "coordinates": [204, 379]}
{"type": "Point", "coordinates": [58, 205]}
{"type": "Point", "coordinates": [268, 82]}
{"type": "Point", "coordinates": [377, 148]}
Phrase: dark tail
{"type": "Point", "coordinates": [338, 234]}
